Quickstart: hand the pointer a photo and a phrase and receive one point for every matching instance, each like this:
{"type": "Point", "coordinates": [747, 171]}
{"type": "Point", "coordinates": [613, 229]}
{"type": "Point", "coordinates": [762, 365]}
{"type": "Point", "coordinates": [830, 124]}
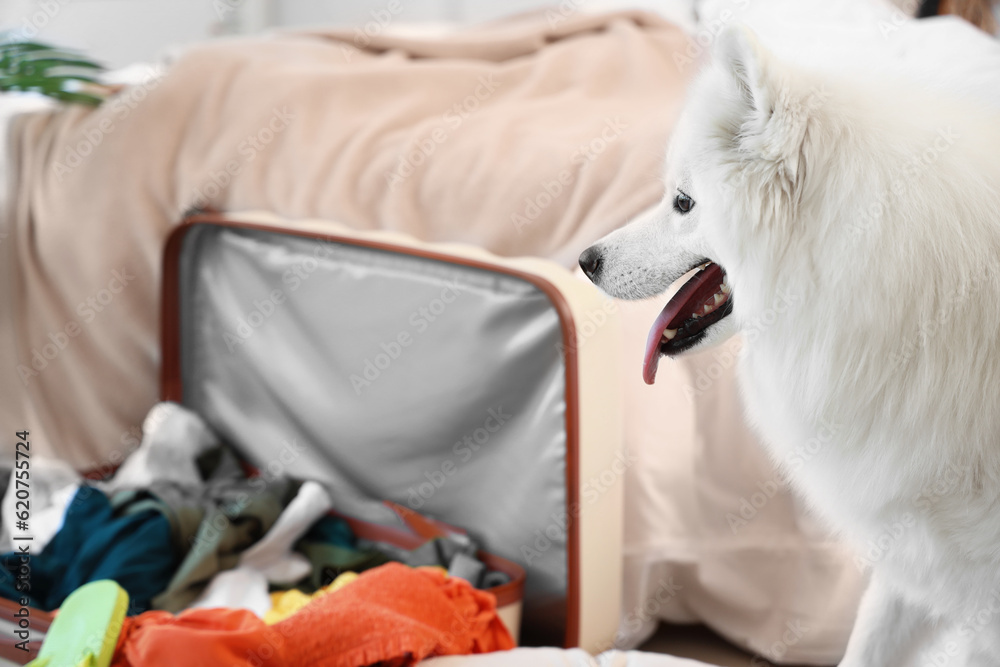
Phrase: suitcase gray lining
{"type": "Point", "coordinates": [283, 395]}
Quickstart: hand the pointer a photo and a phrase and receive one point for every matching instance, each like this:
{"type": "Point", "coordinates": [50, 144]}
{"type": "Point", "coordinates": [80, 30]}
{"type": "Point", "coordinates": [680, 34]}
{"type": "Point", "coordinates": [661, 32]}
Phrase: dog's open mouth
{"type": "Point", "coordinates": [700, 302]}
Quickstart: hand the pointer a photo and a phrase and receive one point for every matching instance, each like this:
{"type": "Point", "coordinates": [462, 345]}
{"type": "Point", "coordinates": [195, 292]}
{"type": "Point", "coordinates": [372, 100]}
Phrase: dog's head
{"type": "Point", "coordinates": [735, 171]}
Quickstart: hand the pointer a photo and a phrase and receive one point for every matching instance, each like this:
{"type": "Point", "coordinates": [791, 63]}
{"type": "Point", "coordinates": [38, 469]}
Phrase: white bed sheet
{"type": "Point", "coordinates": [553, 657]}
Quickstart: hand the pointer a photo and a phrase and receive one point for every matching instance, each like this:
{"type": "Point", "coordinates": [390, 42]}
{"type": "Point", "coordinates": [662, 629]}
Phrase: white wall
{"type": "Point", "coordinates": [120, 32]}
{"type": "Point", "coordinates": [297, 12]}
{"type": "Point", "coordinates": [116, 32]}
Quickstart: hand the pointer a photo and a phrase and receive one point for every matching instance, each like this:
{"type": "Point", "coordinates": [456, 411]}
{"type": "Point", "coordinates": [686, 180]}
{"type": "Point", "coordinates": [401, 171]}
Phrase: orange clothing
{"type": "Point", "coordinates": [198, 637]}
{"type": "Point", "coordinates": [392, 614]}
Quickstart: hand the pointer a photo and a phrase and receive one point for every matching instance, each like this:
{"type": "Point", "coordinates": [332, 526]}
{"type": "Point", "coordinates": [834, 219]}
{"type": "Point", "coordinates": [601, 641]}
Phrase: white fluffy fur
{"type": "Point", "coordinates": [879, 389]}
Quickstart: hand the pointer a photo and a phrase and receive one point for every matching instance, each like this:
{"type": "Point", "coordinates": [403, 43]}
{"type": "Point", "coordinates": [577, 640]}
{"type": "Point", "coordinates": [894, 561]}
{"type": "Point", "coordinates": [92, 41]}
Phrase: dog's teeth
{"type": "Point", "coordinates": [719, 298]}
{"type": "Point", "coordinates": [668, 334]}
{"type": "Point", "coordinates": [706, 310]}
{"type": "Point", "coordinates": [726, 289]}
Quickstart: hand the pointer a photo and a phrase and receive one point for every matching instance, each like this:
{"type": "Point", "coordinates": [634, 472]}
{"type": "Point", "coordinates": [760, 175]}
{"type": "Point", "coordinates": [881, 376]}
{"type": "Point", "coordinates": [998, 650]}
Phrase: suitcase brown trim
{"type": "Point", "coordinates": [38, 623]}
{"type": "Point", "coordinates": [171, 386]}
{"type": "Point", "coordinates": [508, 593]}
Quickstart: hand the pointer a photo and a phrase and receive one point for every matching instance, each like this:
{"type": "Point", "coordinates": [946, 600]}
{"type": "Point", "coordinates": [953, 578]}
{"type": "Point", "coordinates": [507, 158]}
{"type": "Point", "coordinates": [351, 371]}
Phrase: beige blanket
{"type": "Point", "coordinates": [535, 135]}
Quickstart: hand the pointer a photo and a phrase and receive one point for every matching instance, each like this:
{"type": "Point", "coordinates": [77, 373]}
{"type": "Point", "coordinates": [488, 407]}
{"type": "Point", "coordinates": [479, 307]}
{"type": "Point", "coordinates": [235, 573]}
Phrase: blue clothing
{"type": "Point", "coordinates": [96, 542]}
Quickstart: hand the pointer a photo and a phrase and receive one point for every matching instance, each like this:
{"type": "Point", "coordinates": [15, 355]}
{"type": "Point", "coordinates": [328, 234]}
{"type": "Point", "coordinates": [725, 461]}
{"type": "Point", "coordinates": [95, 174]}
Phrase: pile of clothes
{"type": "Point", "coordinates": [390, 615]}
{"type": "Point", "coordinates": [247, 560]}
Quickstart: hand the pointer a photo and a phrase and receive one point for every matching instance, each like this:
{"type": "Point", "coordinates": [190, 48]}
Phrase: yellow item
{"type": "Point", "coordinates": [286, 603]}
{"type": "Point", "coordinates": [435, 568]}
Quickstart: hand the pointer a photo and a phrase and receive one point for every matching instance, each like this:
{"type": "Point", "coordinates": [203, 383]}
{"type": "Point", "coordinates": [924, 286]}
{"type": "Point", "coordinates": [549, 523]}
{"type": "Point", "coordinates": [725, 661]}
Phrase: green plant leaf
{"type": "Point", "coordinates": [79, 98]}
{"type": "Point", "coordinates": [58, 73]}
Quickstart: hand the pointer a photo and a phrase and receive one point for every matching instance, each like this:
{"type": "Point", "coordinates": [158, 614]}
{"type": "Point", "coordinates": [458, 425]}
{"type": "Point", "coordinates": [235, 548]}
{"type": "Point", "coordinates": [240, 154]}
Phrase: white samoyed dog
{"type": "Point", "coordinates": [873, 208]}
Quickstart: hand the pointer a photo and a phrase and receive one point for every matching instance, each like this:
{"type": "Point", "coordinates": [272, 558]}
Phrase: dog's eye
{"type": "Point", "coordinates": [683, 203]}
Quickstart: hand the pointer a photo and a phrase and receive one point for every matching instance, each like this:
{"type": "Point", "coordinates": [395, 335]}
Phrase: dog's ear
{"type": "Point", "coordinates": [761, 127]}
{"type": "Point", "coordinates": [750, 70]}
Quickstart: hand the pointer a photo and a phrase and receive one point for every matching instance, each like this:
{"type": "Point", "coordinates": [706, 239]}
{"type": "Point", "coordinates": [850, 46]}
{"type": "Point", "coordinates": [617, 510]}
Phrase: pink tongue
{"type": "Point", "coordinates": [652, 359]}
{"type": "Point", "coordinates": [699, 286]}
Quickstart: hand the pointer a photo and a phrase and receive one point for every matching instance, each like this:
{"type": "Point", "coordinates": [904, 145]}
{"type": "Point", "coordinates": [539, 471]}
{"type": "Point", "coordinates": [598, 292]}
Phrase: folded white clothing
{"type": "Point", "coordinates": [272, 554]}
{"type": "Point", "coordinates": [53, 484]}
{"type": "Point", "coordinates": [271, 559]}
{"type": "Point", "coordinates": [242, 588]}
{"type": "Point", "coordinates": [173, 438]}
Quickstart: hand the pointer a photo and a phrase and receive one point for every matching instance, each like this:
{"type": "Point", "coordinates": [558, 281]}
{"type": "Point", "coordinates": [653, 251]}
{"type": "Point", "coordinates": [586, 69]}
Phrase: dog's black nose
{"type": "Point", "coordinates": [590, 262]}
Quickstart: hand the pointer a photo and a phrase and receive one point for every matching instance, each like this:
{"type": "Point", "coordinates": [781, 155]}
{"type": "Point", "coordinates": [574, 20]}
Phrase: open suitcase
{"type": "Point", "coordinates": [476, 390]}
